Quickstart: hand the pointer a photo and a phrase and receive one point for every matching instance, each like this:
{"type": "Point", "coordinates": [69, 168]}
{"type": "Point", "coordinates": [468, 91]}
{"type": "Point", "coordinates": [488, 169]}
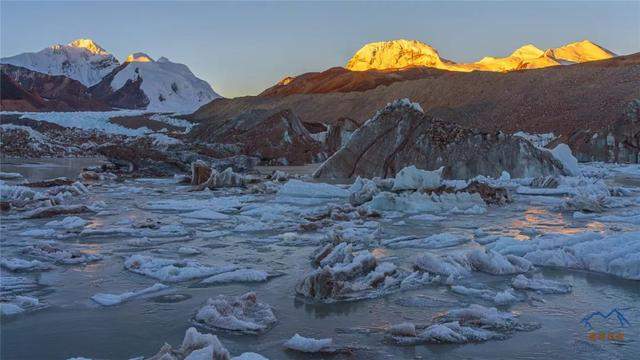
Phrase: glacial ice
{"type": "Point", "coordinates": [199, 346]}
{"type": "Point", "coordinates": [241, 275]}
{"type": "Point", "coordinates": [309, 345]}
{"type": "Point", "coordinates": [412, 178]}
{"type": "Point", "coordinates": [115, 299]}
{"type": "Point", "coordinates": [16, 264]}
{"type": "Point", "coordinates": [172, 270]}
{"type": "Point", "coordinates": [242, 314]}
{"type": "Point", "coordinates": [617, 254]}
{"type": "Point", "coordinates": [298, 188]}
{"type": "Point", "coordinates": [417, 202]}
{"type": "Point", "coordinates": [431, 242]}
{"type": "Point", "coordinates": [544, 286]}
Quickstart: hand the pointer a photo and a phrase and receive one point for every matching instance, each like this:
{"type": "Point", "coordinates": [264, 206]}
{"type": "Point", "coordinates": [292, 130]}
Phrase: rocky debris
{"type": "Point", "coordinates": [338, 134]}
{"type": "Point", "coordinates": [618, 141]}
{"type": "Point", "coordinates": [200, 172]}
{"type": "Point", "coordinates": [243, 314]}
{"type": "Point", "coordinates": [490, 194]}
{"type": "Point", "coordinates": [277, 138]}
{"type": "Point", "coordinates": [401, 135]}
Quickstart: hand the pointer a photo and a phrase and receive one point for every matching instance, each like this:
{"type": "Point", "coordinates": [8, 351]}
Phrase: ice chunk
{"type": "Point", "coordinates": [191, 204]}
{"type": "Point", "coordinates": [403, 329]}
{"type": "Point", "coordinates": [412, 178]}
{"type": "Point", "coordinates": [242, 275]}
{"type": "Point", "coordinates": [617, 254]}
{"type": "Point", "coordinates": [206, 214]}
{"type": "Point", "coordinates": [479, 315]}
{"type": "Point", "coordinates": [38, 233]}
{"type": "Point", "coordinates": [70, 222]}
{"type": "Point", "coordinates": [540, 285]}
{"type": "Point", "coordinates": [188, 250]}
{"type": "Point", "coordinates": [50, 252]}
{"type": "Point", "coordinates": [431, 242]}
{"type": "Point", "coordinates": [309, 345]}
{"type": "Point", "coordinates": [10, 176]}
{"type": "Point", "coordinates": [115, 299]}
{"type": "Point", "coordinates": [298, 188]}
{"type": "Point", "coordinates": [492, 262]}
{"type": "Point", "coordinates": [15, 264]}
{"type": "Point", "coordinates": [172, 270]}
{"type": "Point", "coordinates": [447, 265]}
{"type": "Point", "coordinates": [242, 314]}
{"type": "Point", "coordinates": [562, 152]}
{"type": "Point", "coordinates": [417, 202]}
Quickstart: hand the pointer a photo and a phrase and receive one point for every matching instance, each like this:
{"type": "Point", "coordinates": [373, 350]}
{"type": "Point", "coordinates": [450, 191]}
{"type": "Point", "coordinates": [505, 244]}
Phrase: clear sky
{"type": "Point", "coordinates": [241, 48]}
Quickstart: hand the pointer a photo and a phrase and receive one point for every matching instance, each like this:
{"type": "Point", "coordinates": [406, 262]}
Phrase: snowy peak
{"type": "Point", "coordinates": [89, 45]}
{"type": "Point", "coordinates": [81, 60]}
{"type": "Point", "coordinates": [581, 51]}
{"type": "Point", "coordinates": [528, 51]}
{"type": "Point", "coordinates": [394, 54]}
{"type": "Point", "coordinates": [398, 54]}
{"type": "Point", "coordinates": [167, 86]}
{"type": "Point", "coordinates": [140, 57]}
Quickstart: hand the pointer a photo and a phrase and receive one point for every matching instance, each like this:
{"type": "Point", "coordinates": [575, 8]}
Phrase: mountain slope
{"type": "Point", "coordinates": [60, 92]}
{"type": "Point", "coordinates": [558, 99]}
{"type": "Point", "coordinates": [81, 60]}
{"type": "Point", "coordinates": [395, 54]}
{"type": "Point", "coordinates": [155, 85]}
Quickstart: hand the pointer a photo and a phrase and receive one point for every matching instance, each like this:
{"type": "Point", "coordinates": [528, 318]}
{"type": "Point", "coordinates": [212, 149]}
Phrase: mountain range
{"type": "Point", "coordinates": [398, 54]}
{"type": "Point", "coordinates": [100, 81]}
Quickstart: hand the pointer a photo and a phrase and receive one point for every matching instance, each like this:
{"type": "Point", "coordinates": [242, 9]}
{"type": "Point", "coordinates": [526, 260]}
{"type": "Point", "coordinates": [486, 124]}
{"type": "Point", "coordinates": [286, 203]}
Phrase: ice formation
{"type": "Point", "coordinates": [243, 314]}
{"type": "Point", "coordinates": [172, 270]}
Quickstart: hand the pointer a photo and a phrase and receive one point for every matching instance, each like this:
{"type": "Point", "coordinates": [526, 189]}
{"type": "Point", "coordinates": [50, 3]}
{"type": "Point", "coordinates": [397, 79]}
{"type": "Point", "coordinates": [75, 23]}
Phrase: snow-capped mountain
{"type": "Point", "coordinates": [168, 86]}
{"type": "Point", "coordinates": [81, 60]}
{"type": "Point", "coordinates": [399, 54]}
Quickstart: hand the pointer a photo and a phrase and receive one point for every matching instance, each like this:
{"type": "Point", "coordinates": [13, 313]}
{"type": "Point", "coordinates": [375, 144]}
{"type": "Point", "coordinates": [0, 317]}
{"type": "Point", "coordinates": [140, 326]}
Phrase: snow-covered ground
{"type": "Point", "coordinates": [97, 120]}
{"type": "Point", "coordinates": [152, 259]}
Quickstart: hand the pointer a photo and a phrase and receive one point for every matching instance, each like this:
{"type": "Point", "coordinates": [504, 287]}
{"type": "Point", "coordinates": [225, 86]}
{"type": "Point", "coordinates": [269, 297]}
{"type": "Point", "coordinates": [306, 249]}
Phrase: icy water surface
{"type": "Point", "coordinates": [260, 232]}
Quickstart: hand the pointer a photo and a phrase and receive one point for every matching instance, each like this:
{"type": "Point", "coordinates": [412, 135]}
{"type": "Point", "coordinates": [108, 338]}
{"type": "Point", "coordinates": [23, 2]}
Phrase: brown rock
{"type": "Point", "coordinates": [400, 135]}
{"type": "Point", "coordinates": [274, 137]}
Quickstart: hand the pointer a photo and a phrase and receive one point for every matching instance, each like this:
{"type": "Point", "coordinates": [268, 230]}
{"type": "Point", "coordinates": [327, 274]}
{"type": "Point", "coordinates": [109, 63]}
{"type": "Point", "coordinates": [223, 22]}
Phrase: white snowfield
{"type": "Point", "coordinates": [81, 60]}
{"type": "Point", "coordinates": [169, 86]}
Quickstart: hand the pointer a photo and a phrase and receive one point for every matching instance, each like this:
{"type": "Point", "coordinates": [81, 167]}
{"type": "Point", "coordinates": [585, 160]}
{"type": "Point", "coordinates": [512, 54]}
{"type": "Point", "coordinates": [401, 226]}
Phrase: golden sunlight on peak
{"type": "Point", "coordinates": [88, 44]}
{"type": "Point", "coordinates": [138, 57]}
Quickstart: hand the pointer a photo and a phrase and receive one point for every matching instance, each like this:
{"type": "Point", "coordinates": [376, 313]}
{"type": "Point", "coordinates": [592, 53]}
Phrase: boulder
{"type": "Point", "coordinates": [401, 135]}
{"type": "Point", "coordinates": [277, 138]}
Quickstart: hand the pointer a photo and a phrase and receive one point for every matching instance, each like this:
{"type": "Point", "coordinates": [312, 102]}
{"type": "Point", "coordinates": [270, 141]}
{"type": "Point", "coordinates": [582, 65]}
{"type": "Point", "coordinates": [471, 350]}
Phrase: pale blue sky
{"type": "Point", "coordinates": [241, 48]}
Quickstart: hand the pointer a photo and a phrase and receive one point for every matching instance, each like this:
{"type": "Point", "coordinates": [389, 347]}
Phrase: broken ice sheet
{"type": "Point", "coordinates": [172, 270]}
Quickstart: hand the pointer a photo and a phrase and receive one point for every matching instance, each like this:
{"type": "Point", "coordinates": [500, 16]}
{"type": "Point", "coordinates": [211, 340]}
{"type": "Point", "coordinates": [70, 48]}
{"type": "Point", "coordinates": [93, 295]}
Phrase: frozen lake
{"type": "Point", "coordinates": [232, 227]}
